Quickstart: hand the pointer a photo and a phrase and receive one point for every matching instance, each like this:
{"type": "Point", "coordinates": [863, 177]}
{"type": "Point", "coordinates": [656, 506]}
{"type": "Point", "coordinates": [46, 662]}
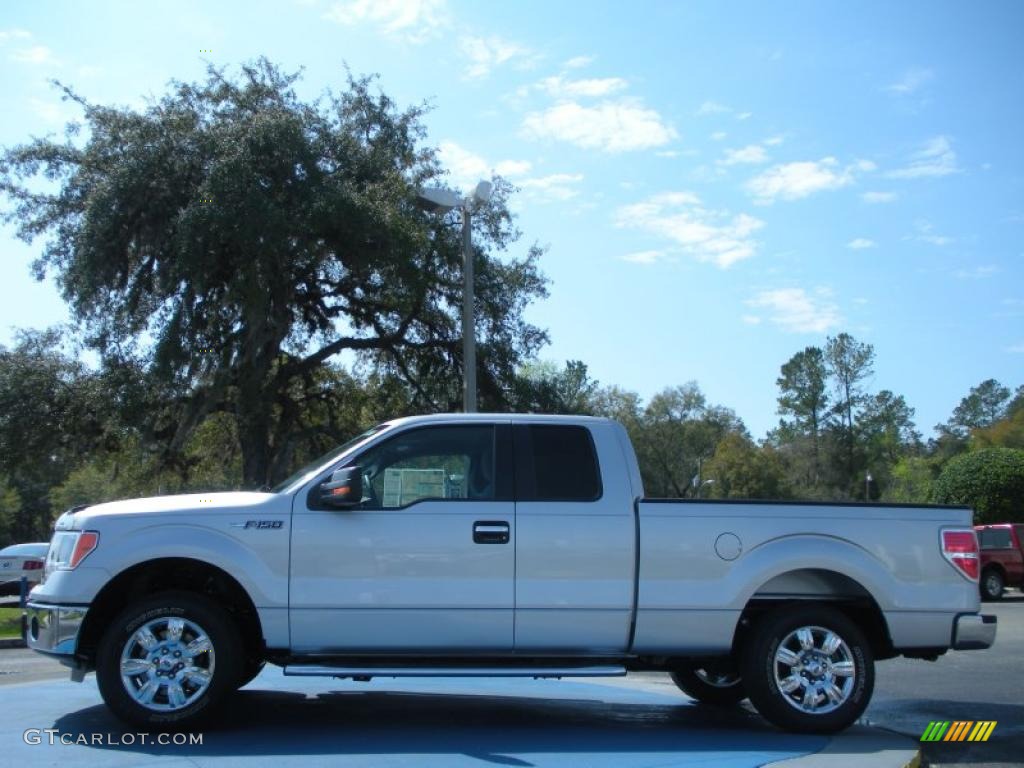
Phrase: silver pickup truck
{"type": "Point", "coordinates": [500, 545]}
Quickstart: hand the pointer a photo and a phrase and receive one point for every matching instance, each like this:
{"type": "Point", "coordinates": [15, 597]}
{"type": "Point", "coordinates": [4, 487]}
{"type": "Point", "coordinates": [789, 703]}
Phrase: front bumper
{"type": "Point", "coordinates": [53, 629]}
{"type": "Point", "coordinates": [973, 632]}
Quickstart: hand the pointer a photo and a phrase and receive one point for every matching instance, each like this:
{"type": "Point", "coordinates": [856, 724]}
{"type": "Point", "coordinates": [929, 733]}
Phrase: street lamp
{"type": "Point", "coordinates": [867, 486]}
{"type": "Point", "coordinates": [437, 200]}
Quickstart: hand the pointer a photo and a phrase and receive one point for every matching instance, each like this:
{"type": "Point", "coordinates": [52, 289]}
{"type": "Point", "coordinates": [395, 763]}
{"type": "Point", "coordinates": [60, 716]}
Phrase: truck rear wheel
{"type": "Point", "coordinates": [710, 684]}
{"type": "Point", "coordinates": [808, 669]}
{"type": "Point", "coordinates": [992, 584]}
{"type": "Point", "coordinates": [168, 660]}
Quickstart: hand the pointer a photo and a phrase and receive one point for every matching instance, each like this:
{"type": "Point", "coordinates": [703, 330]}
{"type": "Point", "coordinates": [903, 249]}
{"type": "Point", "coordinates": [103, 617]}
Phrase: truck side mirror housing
{"type": "Point", "coordinates": [344, 489]}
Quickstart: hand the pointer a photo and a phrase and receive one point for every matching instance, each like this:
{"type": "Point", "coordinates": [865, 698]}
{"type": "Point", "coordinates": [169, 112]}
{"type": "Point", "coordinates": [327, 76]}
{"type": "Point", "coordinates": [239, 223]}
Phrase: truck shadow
{"type": "Point", "coordinates": [494, 729]}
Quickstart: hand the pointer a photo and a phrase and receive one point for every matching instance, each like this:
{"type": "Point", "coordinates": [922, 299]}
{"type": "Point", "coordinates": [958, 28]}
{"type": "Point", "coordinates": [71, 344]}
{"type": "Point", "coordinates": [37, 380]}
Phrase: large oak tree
{"type": "Point", "coordinates": [230, 239]}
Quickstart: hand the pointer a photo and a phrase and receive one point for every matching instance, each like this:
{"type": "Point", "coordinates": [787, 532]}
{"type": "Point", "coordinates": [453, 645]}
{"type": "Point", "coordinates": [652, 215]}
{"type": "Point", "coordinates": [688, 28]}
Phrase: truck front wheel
{"type": "Point", "coordinates": [168, 660]}
{"type": "Point", "coordinates": [808, 669]}
{"type": "Point", "coordinates": [710, 684]}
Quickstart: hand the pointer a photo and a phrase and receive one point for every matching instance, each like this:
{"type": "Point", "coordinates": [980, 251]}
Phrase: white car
{"type": "Point", "coordinates": [20, 560]}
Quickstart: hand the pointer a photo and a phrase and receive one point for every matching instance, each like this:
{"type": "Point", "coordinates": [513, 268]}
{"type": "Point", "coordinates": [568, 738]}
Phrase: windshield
{"type": "Point", "coordinates": [304, 474]}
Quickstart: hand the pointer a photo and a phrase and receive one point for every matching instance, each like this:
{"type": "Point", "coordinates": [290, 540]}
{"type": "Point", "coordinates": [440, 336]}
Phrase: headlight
{"type": "Point", "coordinates": [69, 548]}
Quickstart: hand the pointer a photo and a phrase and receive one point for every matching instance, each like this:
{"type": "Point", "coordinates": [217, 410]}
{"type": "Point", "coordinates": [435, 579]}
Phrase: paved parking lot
{"type": "Point", "coordinates": [641, 720]}
{"type": "Point", "coordinates": [279, 721]}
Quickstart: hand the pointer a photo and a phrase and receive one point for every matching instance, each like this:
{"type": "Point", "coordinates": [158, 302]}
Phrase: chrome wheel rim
{"type": "Point", "coordinates": [167, 664]}
{"type": "Point", "coordinates": [814, 670]}
{"type": "Point", "coordinates": [717, 679]}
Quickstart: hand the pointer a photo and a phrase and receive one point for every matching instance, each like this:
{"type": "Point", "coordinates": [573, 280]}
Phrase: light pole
{"type": "Point", "coordinates": [867, 486]}
{"type": "Point", "coordinates": [441, 201]}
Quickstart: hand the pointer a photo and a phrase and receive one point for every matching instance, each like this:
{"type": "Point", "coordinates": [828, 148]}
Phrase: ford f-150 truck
{"type": "Point", "coordinates": [501, 545]}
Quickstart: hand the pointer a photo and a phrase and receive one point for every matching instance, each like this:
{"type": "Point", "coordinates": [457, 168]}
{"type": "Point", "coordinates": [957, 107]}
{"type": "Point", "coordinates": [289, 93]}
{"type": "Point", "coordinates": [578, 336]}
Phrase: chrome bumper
{"type": "Point", "coordinates": [54, 629]}
{"type": "Point", "coordinates": [973, 632]}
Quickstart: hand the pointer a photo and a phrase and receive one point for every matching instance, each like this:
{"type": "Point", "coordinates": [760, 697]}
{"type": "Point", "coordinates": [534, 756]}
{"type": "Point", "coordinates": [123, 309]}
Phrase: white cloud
{"type": "Point", "coordinates": [719, 136]}
{"type": "Point", "coordinates": [578, 62]}
{"type": "Point", "coordinates": [644, 257]}
{"type": "Point", "coordinates": [708, 235]}
{"type": "Point", "coordinates": [49, 111]}
{"type": "Point", "coordinates": [860, 243]}
{"type": "Point", "coordinates": [773, 141]}
{"type": "Point", "coordinates": [557, 186]}
{"type": "Point", "coordinates": [751, 319]}
{"type": "Point", "coordinates": [486, 53]}
{"type": "Point", "coordinates": [560, 88]}
{"type": "Point", "coordinates": [935, 158]}
{"type": "Point", "coordinates": [744, 115]}
{"type": "Point", "coordinates": [13, 34]}
{"type": "Point", "coordinates": [926, 234]}
{"type": "Point", "coordinates": [37, 54]}
{"type": "Point", "coordinates": [667, 153]}
{"type": "Point", "coordinates": [878, 197]}
{"type": "Point", "coordinates": [467, 168]}
{"type": "Point", "coordinates": [513, 168]}
{"type": "Point", "coordinates": [414, 21]}
{"type": "Point", "coordinates": [792, 181]}
{"type": "Point", "coordinates": [910, 82]}
{"type": "Point", "coordinates": [712, 108]}
{"type": "Point", "coordinates": [750, 154]}
{"type": "Point", "coordinates": [1016, 349]}
{"type": "Point", "coordinates": [795, 311]}
{"type": "Point", "coordinates": [978, 273]}
{"type": "Point", "coordinates": [611, 126]}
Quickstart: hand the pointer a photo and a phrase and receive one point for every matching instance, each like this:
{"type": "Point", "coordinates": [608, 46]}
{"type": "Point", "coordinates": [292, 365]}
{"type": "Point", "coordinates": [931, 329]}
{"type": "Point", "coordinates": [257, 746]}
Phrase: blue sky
{"type": "Point", "coordinates": [719, 184]}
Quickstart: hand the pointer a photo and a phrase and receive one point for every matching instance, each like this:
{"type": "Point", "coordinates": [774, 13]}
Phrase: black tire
{"type": "Point", "coordinates": [202, 677]}
{"type": "Point", "coordinates": [250, 669]}
{"type": "Point", "coordinates": [991, 584]}
{"type": "Point", "coordinates": [849, 672]}
{"type": "Point", "coordinates": [710, 685]}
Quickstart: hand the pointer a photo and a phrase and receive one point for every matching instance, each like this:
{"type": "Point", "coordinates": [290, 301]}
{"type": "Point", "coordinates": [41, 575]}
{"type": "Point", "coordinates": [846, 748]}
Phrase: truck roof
{"type": "Point", "coordinates": [534, 418]}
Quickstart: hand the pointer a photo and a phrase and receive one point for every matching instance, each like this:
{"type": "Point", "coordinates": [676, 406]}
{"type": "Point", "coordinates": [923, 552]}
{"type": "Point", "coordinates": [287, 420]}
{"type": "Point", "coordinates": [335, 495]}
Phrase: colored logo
{"type": "Point", "coordinates": [959, 730]}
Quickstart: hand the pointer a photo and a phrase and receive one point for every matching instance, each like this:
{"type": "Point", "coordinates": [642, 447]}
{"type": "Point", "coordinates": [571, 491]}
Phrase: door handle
{"type": "Point", "coordinates": [490, 532]}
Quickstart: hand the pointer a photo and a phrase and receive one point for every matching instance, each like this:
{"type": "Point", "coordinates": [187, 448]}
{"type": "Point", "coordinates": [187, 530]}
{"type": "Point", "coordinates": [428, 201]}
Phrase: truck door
{"type": "Point", "coordinates": [575, 540]}
{"type": "Point", "coordinates": [425, 562]}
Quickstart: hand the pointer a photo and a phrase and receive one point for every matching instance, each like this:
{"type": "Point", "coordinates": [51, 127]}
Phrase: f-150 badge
{"type": "Point", "coordinates": [261, 524]}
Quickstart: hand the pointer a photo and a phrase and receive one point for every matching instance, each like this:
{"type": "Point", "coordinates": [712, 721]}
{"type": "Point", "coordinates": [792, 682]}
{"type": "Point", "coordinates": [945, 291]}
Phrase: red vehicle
{"type": "Point", "coordinates": [1002, 558]}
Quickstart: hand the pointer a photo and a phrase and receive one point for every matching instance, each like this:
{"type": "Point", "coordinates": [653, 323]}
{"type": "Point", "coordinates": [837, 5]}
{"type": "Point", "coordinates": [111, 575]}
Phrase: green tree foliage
{"type": "Point", "coordinates": [10, 514]}
{"type": "Point", "coordinates": [1008, 432]}
{"type": "Point", "coordinates": [984, 405]}
{"type": "Point", "coordinates": [990, 480]}
{"type": "Point", "coordinates": [542, 387]}
{"type": "Point", "coordinates": [849, 363]}
{"type": "Point", "coordinates": [253, 237]}
{"type": "Point", "coordinates": [911, 480]}
{"type": "Point", "coordinates": [680, 432]}
{"type": "Point", "coordinates": [52, 411]}
{"type": "Point", "coordinates": [741, 470]}
{"type": "Point", "coordinates": [804, 406]}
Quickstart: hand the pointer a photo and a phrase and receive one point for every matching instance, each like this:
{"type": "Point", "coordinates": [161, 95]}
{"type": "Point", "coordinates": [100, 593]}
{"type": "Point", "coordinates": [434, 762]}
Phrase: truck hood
{"type": "Point", "coordinates": [187, 502]}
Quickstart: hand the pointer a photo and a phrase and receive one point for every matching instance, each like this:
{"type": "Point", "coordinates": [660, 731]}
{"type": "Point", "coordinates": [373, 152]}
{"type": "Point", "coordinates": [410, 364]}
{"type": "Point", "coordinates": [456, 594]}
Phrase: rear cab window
{"type": "Point", "coordinates": [556, 462]}
{"type": "Point", "coordinates": [995, 538]}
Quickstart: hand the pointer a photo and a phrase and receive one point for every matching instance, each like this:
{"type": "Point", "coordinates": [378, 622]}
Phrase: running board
{"type": "Point", "coordinates": [366, 672]}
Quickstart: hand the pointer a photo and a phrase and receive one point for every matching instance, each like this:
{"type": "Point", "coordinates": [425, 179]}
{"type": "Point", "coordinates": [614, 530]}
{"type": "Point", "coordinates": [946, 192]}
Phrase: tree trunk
{"type": "Point", "coordinates": [254, 436]}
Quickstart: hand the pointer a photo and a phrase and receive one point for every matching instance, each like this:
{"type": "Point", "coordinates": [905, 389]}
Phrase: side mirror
{"type": "Point", "coordinates": [344, 489]}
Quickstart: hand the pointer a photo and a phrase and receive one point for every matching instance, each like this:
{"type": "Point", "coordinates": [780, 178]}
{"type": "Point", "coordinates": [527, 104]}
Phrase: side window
{"type": "Point", "coordinates": [995, 538]}
{"type": "Point", "coordinates": [557, 463]}
{"type": "Point", "coordinates": [430, 463]}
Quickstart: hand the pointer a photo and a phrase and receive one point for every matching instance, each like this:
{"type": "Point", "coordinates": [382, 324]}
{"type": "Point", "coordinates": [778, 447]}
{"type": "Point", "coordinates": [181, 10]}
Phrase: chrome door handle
{"type": "Point", "coordinates": [490, 532]}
